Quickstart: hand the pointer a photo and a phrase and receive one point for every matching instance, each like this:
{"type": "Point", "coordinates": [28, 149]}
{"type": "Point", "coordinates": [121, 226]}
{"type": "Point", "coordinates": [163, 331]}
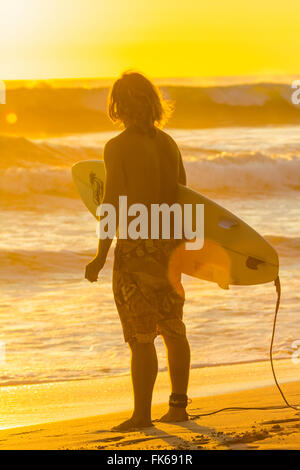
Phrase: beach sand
{"type": "Point", "coordinates": [249, 429]}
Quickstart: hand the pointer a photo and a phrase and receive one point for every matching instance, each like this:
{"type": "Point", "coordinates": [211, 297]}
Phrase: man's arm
{"type": "Point", "coordinates": [114, 186]}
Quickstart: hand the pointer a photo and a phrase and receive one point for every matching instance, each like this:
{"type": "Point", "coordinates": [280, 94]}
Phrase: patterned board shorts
{"type": "Point", "coordinates": [147, 288]}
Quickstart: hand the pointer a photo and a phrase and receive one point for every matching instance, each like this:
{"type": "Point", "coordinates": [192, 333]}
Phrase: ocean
{"type": "Point", "coordinates": [55, 326]}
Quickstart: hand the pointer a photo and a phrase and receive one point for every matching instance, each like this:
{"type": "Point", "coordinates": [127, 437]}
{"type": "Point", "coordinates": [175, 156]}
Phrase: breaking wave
{"type": "Point", "coordinates": [47, 110]}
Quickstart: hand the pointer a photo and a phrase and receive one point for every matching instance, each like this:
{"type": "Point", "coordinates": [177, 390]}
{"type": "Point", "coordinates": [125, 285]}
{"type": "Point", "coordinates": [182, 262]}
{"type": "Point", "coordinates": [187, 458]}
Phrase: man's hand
{"type": "Point", "coordinates": [92, 269]}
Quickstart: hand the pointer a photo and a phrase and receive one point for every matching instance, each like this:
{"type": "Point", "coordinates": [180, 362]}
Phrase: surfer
{"type": "Point", "coordinates": [144, 163]}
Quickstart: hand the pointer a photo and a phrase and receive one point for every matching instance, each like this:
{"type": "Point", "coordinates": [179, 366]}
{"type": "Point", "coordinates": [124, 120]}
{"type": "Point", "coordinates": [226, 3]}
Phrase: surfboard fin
{"type": "Point", "coordinates": [223, 285]}
{"type": "Point", "coordinates": [252, 263]}
{"type": "Point", "coordinates": [221, 277]}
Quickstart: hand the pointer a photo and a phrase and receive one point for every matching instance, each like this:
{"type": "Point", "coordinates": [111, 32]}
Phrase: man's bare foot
{"type": "Point", "coordinates": [175, 415]}
{"type": "Point", "coordinates": [132, 425]}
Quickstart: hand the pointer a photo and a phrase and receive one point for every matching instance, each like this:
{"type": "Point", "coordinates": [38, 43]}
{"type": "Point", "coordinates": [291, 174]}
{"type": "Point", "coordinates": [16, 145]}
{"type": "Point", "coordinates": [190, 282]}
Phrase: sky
{"type": "Point", "coordinates": [43, 39]}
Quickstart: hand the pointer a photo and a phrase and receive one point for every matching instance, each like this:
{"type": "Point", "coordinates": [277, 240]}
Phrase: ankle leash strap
{"type": "Point", "coordinates": [177, 400]}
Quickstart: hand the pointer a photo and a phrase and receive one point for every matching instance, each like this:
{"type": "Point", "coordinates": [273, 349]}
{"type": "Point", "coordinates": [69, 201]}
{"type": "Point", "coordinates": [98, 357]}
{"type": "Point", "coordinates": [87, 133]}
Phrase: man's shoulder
{"type": "Point", "coordinates": [111, 147]}
{"type": "Point", "coordinates": [168, 138]}
{"type": "Point", "coordinates": [123, 138]}
{"type": "Point", "coordinates": [115, 142]}
{"type": "Point", "coordinates": [111, 143]}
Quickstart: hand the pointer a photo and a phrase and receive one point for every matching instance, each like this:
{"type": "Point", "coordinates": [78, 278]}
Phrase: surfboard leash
{"type": "Point", "coordinates": [287, 404]}
{"type": "Point", "coordinates": [278, 290]}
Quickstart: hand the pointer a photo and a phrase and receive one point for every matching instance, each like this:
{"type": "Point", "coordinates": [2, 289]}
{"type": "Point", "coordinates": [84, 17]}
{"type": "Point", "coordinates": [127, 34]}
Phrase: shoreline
{"type": "Point", "coordinates": [229, 430]}
{"type": "Point", "coordinates": [127, 374]}
{"type": "Point", "coordinates": [34, 404]}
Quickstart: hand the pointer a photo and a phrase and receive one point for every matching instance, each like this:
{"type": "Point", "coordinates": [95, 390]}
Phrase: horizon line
{"type": "Point", "coordinates": [157, 78]}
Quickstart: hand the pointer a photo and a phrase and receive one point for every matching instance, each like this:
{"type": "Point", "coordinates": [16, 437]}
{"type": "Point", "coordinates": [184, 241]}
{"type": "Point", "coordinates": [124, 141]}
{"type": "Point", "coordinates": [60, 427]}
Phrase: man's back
{"type": "Point", "coordinates": [151, 167]}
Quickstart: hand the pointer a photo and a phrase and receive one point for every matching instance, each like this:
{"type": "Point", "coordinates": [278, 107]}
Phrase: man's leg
{"type": "Point", "coordinates": [179, 357]}
{"type": "Point", "coordinates": [143, 374]}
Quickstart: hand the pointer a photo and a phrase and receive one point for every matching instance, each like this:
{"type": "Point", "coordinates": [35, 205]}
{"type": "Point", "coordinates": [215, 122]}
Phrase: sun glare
{"type": "Point", "coordinates": [11, 118]}
{"type": "Point", "coordinates": [96, 38]}
{"type": "Point", "coordinates": [18, 19]}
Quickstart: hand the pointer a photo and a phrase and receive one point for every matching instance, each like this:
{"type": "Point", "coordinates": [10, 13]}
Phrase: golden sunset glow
{"type": "Point", "coordinates": [96, 38]}
{"type": "Point", "coordinates": [149, 244]}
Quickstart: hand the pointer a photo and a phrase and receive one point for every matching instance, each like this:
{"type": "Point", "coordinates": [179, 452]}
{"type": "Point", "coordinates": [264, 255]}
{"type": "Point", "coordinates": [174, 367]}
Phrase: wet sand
{"type": "Point", "coordinates": [248, 429]}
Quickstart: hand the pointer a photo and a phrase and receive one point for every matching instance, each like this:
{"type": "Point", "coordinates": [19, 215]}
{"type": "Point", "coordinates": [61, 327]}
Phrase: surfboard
{"type": "Point", "coordinates": [233, 252]}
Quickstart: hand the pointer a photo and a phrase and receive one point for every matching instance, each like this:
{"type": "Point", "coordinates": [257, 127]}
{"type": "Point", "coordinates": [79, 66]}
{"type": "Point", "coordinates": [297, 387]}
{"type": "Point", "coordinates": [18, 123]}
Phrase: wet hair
{"type": "Point", "coordinates": [134, 100]}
